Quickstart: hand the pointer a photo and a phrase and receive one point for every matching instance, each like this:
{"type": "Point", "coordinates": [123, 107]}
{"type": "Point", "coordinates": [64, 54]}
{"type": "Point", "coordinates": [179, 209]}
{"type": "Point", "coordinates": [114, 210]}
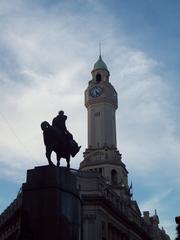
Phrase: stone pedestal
{"type": "Point", "coordinates": [50, 204]}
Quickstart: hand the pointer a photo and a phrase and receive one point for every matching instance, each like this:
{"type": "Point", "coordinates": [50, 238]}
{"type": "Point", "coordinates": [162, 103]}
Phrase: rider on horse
{"type": "Point", "coordinates": [59, 123]}
{"type": "Point", "coordinates": [58, 139]}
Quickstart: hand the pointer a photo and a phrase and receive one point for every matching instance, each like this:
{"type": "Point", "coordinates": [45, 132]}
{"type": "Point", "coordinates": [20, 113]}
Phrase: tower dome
{"type": "Point", "coordinates": [100, 64]}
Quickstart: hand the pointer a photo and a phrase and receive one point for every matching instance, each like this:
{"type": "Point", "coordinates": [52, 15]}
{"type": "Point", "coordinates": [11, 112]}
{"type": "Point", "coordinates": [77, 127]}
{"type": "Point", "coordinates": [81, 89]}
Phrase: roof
{"type": "Point", "coordinates": [100, 64]}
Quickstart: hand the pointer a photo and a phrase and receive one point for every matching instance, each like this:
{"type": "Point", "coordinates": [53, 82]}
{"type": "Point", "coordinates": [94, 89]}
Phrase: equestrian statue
{"type": "Point", "coordinates": [58, 139]}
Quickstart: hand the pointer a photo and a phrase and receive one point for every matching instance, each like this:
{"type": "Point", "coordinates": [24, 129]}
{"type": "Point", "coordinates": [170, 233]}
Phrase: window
{"type": "Point", "coordinates": [113, 176]}
{"type": "Point", "coordinates": [103, 229]}
{"type": "Point", "coordinates": [98, 77]}
{"type": "Point", "coordinates": [97, 114]}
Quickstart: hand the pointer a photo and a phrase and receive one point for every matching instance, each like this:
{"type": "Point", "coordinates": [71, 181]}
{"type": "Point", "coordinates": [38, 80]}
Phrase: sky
{"type": "Point", "coordinates": [47, 51]}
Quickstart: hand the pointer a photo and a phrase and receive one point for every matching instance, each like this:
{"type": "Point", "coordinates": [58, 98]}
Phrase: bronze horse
{"type": "Point", "coordinates": [62, 144]}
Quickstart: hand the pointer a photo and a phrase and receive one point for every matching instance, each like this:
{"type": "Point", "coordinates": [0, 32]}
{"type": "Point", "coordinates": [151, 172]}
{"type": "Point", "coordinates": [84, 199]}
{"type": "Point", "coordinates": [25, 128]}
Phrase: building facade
{"type": "Point", "coordinates": [10, 220]}
{"type": "Point", "coordinates": [109, 212]}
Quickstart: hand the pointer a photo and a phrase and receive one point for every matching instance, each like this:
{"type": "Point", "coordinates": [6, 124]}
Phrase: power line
{"type": "Point", "coordinates": [17, 137]}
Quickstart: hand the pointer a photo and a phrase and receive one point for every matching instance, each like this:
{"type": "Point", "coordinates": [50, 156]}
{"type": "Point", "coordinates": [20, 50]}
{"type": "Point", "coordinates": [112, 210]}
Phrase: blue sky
{"type": "Point", "coordinates": [47, 51]}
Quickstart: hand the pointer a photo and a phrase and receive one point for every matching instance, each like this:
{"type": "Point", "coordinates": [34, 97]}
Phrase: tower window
{"type": "Point", "coordinates": [114, 176]}
{"type": "Point", "coordinates": [98, 77]}
{"type": "Point", "coordinates": [103, 227]}
{"type": "Point", "coordinates": [97, 114]}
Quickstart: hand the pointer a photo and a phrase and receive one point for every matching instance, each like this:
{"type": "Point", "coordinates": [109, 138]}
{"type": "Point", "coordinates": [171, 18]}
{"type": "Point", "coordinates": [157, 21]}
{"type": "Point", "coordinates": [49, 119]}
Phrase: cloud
{"type": "Point", "coordinates": [45, 53]}
{"type": "Point", "coordinates": [147, 129]}
{"type": "Point", "coordinates": [48, 51]}
{"type": "Point", "coordinates": [155, 201]}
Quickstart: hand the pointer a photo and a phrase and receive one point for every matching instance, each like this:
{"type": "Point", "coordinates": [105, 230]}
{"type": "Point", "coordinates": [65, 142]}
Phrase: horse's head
{"type": "Point", "coordinates": [45, 125]}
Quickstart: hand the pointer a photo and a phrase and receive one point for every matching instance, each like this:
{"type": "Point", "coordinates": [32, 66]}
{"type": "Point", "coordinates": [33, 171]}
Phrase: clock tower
{"type": "Point", "coordinates": [102, 154]}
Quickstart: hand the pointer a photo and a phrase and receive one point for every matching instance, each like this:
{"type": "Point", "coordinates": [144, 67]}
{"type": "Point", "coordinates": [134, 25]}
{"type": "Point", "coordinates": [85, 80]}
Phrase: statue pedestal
{"type": "Point", "coordinates": [51, 206]}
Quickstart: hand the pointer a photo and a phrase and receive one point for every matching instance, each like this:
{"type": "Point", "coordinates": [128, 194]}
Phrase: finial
{"type": "Point", "coordinates": [131, 190]}
{"type": "Point", "coordinates": [99, 49]}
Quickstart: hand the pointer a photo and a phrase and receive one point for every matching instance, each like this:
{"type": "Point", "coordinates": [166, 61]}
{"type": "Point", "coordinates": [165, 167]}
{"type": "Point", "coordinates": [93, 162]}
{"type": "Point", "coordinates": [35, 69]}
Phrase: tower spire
{"type": "Point", "coordinates": [100, 64]}
{"type": "Point", "coordinates": [100, 49]}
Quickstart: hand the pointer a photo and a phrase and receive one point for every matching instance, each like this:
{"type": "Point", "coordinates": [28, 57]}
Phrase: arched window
{"type": "Point", "coordinates": [98, 77]}
{"type": "Point", "coordinates": [114, 176]}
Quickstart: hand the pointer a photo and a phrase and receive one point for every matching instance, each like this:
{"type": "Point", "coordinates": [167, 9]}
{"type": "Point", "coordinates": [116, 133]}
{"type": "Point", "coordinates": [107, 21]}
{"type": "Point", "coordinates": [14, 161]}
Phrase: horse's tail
{"type": "Point", "coordinates": [74, 148]}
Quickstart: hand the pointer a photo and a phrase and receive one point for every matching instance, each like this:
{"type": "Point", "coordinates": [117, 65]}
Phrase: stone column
{"type": "Point", "coordinates": [50, 204]}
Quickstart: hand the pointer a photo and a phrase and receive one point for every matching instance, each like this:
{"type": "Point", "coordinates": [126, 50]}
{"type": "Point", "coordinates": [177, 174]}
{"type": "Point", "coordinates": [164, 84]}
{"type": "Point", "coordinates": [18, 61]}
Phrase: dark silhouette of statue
{"type": "Point", "coordinates": [58, 139]}
{"type": "Point", "coordinates": [59, 122]}
{"type": "Point", "coordinates": [177, 219]}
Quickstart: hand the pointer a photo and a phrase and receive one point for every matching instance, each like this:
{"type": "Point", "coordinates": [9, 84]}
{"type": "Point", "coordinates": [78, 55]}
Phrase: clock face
{"type": "Point", "coordinates": [96, 91]}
